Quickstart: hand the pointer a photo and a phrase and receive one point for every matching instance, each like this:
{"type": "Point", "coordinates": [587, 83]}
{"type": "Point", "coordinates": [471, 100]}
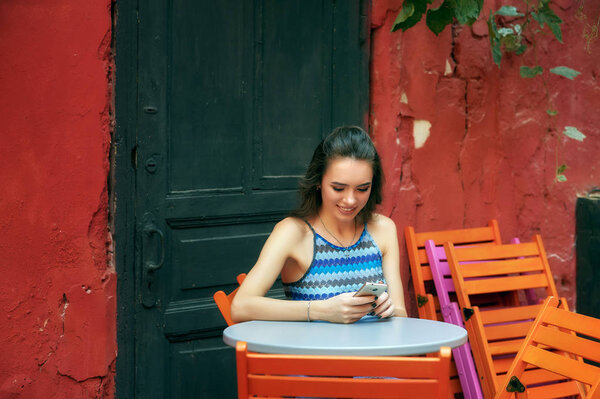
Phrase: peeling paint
{"type": "Point", "coordinates": [404, 98]}
{"type": "Point", "coordinates": [448, 70]}
{"type": "Point", "coordinates": [421, 131]}
{"type": "Point", "coordinates": [58, 124]}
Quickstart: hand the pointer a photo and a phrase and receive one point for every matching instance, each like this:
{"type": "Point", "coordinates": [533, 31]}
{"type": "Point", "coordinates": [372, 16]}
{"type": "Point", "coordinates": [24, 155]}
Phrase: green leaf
{"type": "Point", "coordinates": [521, 49]}
{"type": "Point", "coordinates": [552, 112]}
{"type": "Point", "coordinates": [494, 40]}
{"type": "Point", "coordinates": [407, 10]}
{"type": "Point", "coordinates": [565, 71]}
{"type": "Point", "coordinates": [527, 72]}
{"type": "Point", "coordinates": [545, 15]}
{"type": "Point", "coordinates": [573, 133]}
{"type": "Point", "coordinates": [560, 176]}
{"type": "Point", "coordinates": [509, 11]}
{"type": "Point", "coordinates": [411, 13]}
{"type": "Point", "coordinates": [467, 11]}
{"type": "Point", "coordinates": [439, 18]}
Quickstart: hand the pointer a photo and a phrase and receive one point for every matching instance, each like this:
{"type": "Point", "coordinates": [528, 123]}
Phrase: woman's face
{"type": "Point", "coordinates": [346, 187]}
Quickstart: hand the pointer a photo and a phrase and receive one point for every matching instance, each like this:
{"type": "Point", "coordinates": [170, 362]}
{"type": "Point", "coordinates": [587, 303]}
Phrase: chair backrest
{"type": "Point", "coordinates": [497, 332]}
{"type": "Point", "coordinates": [575, 336]}
{"type": "Point", "coordinates": [427, 300]}
{"type": "Point", "coordinates": [419, 263]}
{"type": "Point", "coordinates": [269, 375]}
{"type": "Point", "coordinates": [450, 311]}
{"type": "Point", "coordinates": [223, 300]}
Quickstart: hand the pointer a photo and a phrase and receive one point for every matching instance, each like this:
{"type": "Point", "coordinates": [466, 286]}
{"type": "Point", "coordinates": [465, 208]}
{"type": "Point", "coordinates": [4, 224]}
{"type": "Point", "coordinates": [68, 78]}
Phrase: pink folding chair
{"type": "Point", "coordinates": [463, 358]}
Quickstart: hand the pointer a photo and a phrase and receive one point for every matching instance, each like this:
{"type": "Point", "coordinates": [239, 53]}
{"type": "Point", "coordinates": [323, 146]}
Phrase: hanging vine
{"type": "Point", "coordinates": [512, 29]}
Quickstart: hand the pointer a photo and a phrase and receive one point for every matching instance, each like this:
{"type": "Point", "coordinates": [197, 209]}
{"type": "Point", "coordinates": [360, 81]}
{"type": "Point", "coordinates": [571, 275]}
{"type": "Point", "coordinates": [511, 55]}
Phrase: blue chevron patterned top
{"type": "Point", "coordinates": [335, 270]}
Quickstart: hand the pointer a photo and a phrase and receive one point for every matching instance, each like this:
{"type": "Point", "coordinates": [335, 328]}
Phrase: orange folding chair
{"type": "Point", "coordinates": [496, 332]}
{"type": "Point", "coordinates": [576, 336]}
{"type": "Point", "coordinates": [422, 279]}
{"type": "Point", "coordinates": [223, 300]}
{"type": "Point", "coordinates": [428, 304]}
{"type": "Point", "coordinates": [269, 375]}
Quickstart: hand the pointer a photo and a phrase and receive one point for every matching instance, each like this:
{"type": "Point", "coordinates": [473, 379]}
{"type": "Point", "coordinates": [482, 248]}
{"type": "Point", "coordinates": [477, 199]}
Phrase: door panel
{"type": "Point", "coordinates": [232, 99]}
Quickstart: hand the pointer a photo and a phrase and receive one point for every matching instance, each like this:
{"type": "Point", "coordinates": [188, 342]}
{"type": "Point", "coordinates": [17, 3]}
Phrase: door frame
{"type": "Point", "coordinates": [123, 160]}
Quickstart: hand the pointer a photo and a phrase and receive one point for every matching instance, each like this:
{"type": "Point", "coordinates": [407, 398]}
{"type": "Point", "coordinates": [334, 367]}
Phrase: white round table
{"type": "Point", "coordinates": [369, 336]}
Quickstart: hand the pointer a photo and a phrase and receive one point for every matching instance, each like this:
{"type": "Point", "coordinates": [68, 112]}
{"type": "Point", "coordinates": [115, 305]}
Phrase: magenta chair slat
{"type": "Point", "coordinates": [463, 358]}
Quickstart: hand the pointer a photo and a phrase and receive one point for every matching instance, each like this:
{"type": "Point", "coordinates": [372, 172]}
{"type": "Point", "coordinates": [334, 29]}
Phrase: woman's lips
{"type": "Point", "coordinates": [346, 210]}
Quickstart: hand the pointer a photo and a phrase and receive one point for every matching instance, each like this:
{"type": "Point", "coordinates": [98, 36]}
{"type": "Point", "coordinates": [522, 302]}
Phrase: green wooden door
{"type": "Point", "coordinates": [232, 97]}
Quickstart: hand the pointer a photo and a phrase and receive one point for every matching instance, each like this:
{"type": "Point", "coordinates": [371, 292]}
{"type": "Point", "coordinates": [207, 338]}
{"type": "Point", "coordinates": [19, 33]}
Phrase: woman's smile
{"type": "Point", "coordinates": [345, 188]}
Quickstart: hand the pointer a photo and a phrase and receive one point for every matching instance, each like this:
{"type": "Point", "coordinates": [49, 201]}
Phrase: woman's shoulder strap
{"type": "Point", "coordinates": [309, 226]}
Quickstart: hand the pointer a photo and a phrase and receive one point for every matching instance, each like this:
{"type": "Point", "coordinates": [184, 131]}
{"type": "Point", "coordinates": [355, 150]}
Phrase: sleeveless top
{"type": "Point", "coordinates": [335, 270]}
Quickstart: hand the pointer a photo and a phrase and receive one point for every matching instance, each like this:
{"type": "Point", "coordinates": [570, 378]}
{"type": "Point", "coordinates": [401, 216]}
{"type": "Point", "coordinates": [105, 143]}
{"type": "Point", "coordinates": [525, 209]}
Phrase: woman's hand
{"type": "Point", "coordinates": [345, 308]}
{"type": "Point", "coordinates": [385, 306]}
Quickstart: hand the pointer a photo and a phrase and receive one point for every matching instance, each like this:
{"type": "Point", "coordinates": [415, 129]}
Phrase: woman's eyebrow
{"type": "Point", "coordinates": [344, 184]}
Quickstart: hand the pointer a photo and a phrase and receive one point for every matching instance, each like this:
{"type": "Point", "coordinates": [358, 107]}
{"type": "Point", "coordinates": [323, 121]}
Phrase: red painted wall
{"type": "Point", "coordinates": [488, 154]}
{"type": "Point", "coordinates": [57, 286]}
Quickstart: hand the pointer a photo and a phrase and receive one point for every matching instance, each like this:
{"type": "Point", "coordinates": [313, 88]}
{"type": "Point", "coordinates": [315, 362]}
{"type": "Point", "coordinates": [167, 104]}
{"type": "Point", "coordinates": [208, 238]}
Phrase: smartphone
{"type": "Point", "coordinates": [371, 289]}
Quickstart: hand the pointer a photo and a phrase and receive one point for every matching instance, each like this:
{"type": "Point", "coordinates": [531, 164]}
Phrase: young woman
{"type": "Point", "coordinates": [331, 244]}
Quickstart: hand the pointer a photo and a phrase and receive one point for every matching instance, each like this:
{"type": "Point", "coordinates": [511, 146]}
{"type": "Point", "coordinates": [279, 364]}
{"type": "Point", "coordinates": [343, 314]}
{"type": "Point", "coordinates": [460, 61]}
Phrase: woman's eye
{"type": "Point", "coordinates": [363, 190]}
{"type": "Point", "coordinates": [337, 189]}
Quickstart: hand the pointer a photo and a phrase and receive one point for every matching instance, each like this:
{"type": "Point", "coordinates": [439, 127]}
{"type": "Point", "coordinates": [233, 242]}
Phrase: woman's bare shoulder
{"type": "Point", "coordinates": [381, 224]}
{"type": "Point", "coordinates": [383, 230]}
{"type": "Point", "coordinates": [291, 227]}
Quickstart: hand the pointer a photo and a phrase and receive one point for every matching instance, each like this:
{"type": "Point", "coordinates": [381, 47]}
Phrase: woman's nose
{"type": "Point", "coordinates": [350, 199]}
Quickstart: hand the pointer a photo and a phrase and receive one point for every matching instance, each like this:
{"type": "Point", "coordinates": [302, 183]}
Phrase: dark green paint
{"type": "Point", "coordinates": [587, 243]}
{"type": "Point", "coordinates": [219, 107]}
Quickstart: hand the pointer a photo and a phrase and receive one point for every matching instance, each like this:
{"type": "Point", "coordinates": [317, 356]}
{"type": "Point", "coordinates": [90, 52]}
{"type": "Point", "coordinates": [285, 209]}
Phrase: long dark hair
{"type": "Point", "coordinates": [342, 142]}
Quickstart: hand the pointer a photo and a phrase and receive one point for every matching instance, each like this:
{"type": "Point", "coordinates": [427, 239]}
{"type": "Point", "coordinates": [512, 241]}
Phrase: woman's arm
{"type": "Point", "coordinates": [385, 232]}
{"type": "Point", "coordinates": [284, 243]}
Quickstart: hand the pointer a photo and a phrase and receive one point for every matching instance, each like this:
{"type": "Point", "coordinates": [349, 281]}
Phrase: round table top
{"type": "Point", "coordinates": [369, 336]}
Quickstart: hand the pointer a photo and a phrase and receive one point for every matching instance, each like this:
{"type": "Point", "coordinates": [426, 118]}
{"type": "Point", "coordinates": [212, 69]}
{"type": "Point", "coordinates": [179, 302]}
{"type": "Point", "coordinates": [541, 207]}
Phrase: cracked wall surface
{"type": "Point", "coordinates": [57, 290]}
{"type": "Point", "coordinates": [487, 152]}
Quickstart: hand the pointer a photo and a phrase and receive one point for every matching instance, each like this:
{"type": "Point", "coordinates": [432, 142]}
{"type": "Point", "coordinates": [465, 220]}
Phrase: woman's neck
{"type": "Point", "coordinates": [343, 233]}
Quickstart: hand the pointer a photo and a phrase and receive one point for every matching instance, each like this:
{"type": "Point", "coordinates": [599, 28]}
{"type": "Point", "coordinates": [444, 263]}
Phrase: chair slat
{"type": "Point", "coordinates": [558, 390]}
{"type": "Point", "coordinates": [501, 267]}
{"type": "Point", "coordinates": [501, 284]}
{"type": "Point", "coordinates": [579, 323]}
{"type": "Point", "coordinates": [561, 365]}
{"type": "Point", "coordinates": [461, 236]}
{"type": "Point", "coordinates": [497, 252]}
{"type": "Point", "coordinates": [508, 331]}
{"type": "Point", "coordinates": [342, 366]}
{"type": "Point", "coordinates": [263, 385]}
{"type": "Point", "coordinates": [342, 376]}
{"type": "Point", "coordinates": [537, 376]}
{"type": "Point", "coordinates": [505, 347]}
{"type": "Point", "coordinates": [568, 342]}
{"type": "Point", "coordinates": [503, 315]}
